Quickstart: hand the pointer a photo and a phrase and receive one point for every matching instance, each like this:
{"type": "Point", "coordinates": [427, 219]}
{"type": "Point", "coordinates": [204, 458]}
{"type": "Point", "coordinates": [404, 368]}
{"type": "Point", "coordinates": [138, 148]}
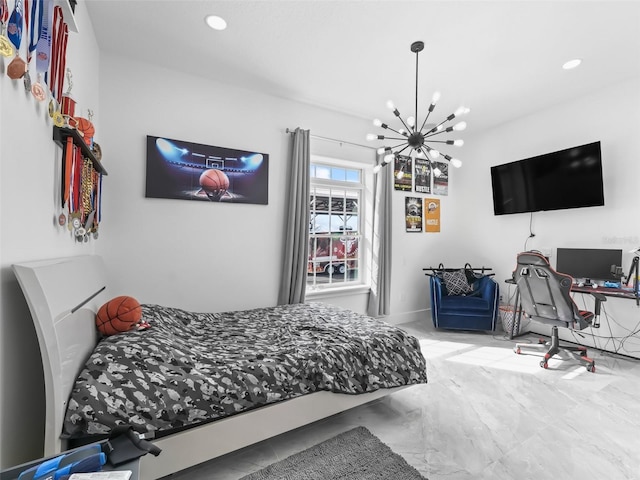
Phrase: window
{"type": "Point", "coordinates": [335, 225]}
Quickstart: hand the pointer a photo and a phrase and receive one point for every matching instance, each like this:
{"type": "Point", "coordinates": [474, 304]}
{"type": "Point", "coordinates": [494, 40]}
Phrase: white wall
{"type": "Point", "coordinates": [611, 116]}
{"type": "Point", "coordinates": [199, 255]}
{"type": "Point", "coordinates": [29, 172]}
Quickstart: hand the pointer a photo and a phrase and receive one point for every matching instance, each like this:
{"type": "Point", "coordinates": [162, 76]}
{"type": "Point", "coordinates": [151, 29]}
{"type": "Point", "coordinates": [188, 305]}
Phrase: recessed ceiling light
{"type": "Point", "coordinates": [215, 22]}
{"type": "Point", "coordinates": [572, 64]}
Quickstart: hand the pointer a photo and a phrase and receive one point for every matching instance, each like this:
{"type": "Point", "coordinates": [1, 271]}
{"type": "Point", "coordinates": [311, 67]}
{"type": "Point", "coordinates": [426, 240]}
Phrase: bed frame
{"type": "Point", "coordinates": [63, 295]}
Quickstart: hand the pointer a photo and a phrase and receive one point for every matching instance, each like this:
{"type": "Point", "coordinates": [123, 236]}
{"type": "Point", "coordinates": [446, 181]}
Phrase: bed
{"type": "Point", "coordinates": [91, 386]}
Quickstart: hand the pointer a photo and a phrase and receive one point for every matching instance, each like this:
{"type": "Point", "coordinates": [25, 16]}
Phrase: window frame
{"type": "Point", "coordinates": [364, 247]}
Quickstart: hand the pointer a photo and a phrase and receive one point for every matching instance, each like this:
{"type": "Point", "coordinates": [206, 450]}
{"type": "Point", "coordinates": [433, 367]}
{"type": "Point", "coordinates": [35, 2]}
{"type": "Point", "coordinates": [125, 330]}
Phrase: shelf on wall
{"type": "Point", "coordinates": [67, 14]}
{"type": "Point", "coordinates": [60, 136]}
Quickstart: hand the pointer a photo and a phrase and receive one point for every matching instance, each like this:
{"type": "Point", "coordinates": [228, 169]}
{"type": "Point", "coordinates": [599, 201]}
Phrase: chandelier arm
{"type": "Point", "coordinates": [425, 119]}
{"type": "Point", "coordinates": [395, 131]}
{"type": "Point", "coordinates": [448, 142]}
{"type": "Point", "coordinates": [399, 145]}
{"type": "Point", "coordinates": [435, 131]}
{"type": "Point", "coordinates": [396, 138]}
{"type": "Point", "coordinates": [400, 151]}
{"type": "Point", "coordinates": [397, 114]}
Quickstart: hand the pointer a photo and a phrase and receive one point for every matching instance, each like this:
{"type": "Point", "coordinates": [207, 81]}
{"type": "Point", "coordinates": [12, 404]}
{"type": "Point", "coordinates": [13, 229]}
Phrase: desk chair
{"type": "Point", "coordinates": [545, 297]}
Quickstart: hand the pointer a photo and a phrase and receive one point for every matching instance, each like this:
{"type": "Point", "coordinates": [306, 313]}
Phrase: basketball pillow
{"type": "Point", "coordinates": [118, 315]}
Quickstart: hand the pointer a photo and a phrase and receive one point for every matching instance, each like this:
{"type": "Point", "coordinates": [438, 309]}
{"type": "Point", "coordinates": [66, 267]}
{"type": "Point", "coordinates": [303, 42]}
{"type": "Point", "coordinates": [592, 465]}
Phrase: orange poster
{"type": "Point", "coordinates": [431, 215]}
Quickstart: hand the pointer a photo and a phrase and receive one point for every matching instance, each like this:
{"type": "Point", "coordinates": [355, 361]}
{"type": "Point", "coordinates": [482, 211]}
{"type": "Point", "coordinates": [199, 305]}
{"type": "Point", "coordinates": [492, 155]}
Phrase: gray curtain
{"type": "Point", "coordinates": [296, 236]}
{"type": "Point", "coordinates": [379, 297]}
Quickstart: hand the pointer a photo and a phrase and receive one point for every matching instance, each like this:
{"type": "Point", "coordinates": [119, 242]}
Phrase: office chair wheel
{"type": "Point", "coordinates": [517, 350]}
{"type": "Point", "coordinates": [544, 364]}
{"type": "Point", "coordinates": [591, 368]}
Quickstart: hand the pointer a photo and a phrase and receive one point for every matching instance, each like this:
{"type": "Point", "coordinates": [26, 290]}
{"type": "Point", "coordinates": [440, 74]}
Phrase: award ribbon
{"type": "Point", "coordinates": [14, 28]}
{"type": "Point", "coordinates": [6, 48]}
{"type": "Point", "coordinates": [31, 27]}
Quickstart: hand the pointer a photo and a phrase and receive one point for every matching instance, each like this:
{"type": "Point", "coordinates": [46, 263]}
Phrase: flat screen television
{"type": "Point", "coordinates": [570, 178]}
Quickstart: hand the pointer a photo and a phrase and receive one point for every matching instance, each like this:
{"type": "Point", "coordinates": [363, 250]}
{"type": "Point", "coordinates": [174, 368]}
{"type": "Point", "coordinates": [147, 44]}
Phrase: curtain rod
{"type": "Point", "coordinates": [335, 140]}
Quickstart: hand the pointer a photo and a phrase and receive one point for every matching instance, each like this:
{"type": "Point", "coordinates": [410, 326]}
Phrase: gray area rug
{"type": "Point", "coordinates": [355, 455]}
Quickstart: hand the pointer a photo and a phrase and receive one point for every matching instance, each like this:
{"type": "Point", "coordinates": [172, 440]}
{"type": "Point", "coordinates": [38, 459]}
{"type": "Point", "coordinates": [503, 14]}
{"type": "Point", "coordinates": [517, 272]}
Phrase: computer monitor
{"type": "Point", "coordinates": [588, 263]}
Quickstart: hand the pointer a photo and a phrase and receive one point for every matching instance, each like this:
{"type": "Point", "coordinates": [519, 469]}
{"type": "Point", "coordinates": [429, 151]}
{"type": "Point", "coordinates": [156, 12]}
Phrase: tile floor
{"type": "Point", "coordinates": [486, 413]}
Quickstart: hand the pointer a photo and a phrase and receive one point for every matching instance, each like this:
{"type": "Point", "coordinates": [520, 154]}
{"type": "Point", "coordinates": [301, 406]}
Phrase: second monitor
{"type": "Point", "coordinates": [588, 263]}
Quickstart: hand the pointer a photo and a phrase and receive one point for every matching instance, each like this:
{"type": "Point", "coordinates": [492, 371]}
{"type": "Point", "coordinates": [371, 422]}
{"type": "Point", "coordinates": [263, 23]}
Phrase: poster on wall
{"type": "Point", "coordinates": [402, 177]}
{"type": "Point", "coordinates": [413, 215]}
{"type": "Point", "coordinates": [441, 182]}
{"type": "Point", "coordinates": [422, 175]}
{"type": "Point", "coordinates": [431, 215]}
{"type": "Point", "coordinates": [192, 171]}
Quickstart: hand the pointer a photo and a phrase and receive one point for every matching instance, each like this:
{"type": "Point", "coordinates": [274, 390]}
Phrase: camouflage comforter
{"type": "Point", "coordinates": [189, 368]}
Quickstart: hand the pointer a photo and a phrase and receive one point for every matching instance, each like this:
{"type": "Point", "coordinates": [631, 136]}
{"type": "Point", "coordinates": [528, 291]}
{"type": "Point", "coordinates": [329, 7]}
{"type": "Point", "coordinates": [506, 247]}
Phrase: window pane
{"type": "Point", "coordinates": [338, 174]}
{"type": "Point", "coordinates": [353, 176]}
{"type": "Point", "coordinates": [323, 172]}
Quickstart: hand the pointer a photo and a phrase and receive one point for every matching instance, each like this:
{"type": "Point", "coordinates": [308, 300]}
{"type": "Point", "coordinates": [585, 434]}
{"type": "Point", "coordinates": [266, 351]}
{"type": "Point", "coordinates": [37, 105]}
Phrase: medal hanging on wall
{"type": "Point", "coordinates": [58, 61]}
{"type": "Point", "coordinates": [43, 52]}
{"type": "Point", "coordinates": [6, 48]}
{"type": "Point", "coordinates": [33, 26]}
{"type": "Point", "coordinates": [18, 66]}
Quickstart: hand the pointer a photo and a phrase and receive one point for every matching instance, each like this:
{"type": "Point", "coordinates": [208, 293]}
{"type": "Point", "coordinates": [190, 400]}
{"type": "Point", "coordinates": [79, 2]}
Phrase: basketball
{"type": "Point", "coordinates": [86, 129]}
{"type": "Point", "coordinates": [119, 314]}
{"type": "Point", "coordinates": [214, 182]}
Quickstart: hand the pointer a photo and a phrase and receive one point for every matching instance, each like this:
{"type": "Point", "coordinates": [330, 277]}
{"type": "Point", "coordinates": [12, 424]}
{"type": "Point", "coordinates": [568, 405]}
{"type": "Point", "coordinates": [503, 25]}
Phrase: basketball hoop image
{"type": "Point", "coordinates": [214, 183]}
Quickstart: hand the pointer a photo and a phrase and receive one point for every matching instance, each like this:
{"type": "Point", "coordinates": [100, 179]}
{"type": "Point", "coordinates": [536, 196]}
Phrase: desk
{"type": "Point", "coordinates": [606, 291]}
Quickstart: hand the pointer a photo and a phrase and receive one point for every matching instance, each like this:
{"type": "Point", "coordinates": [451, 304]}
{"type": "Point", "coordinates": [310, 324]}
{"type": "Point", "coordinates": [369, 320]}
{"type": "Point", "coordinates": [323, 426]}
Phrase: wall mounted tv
{"type": "Point", "coordinates": [570, 178]}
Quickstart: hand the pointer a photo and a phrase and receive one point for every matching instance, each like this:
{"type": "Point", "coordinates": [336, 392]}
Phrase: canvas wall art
{"type": "Point", "coordinates": [192, 171]}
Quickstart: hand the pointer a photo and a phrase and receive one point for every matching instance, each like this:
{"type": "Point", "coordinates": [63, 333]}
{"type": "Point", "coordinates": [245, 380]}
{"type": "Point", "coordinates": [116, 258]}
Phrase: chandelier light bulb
{"type": "Point", "coordinates": [437, 172]}
{"type": "Point", "coordinates": [456, 163]}
{"type": "Point", "coordinates": [399, 175]}
{"type": "Point", "coordinates": [380, 151]}
{"type": "Point", "coordinates": [411, 121]}
{"type": "Point", "coordinates": [372, 136]}
{"type": "Point", "coordinates": [388, 158]}
{"type": "Point", "coordinates": [434, 153]}
{"type": "Point", "coordinates": [460, 126]}
{"type": "Point", "coordinates": [436, 97]}
{"type": "Point", "coordinates": [377, 122]}
{"type": "Point", "coordinates": [402, 132]}
{"type": "Point", "coordinates": [461, 111]}
{"type": "Point", "coordinates": [390, 105]}
{"type": "Point", "coordinates": [458, 143]}
{"type": "Point", "coordinates": [377, 168]}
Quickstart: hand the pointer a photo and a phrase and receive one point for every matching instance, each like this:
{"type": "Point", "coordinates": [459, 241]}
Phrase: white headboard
{"type": "Point", "coordinates": [63, 295]}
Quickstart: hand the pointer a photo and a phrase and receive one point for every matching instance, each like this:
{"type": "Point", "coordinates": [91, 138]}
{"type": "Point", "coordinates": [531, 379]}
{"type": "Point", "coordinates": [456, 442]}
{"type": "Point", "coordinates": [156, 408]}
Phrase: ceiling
{"type": "Point", "coordinates": [500, 58]}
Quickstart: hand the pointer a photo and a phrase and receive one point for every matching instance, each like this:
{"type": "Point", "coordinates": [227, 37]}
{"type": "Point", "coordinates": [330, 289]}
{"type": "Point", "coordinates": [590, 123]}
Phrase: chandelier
{"type": "Point", "coordinates": [419, 140]}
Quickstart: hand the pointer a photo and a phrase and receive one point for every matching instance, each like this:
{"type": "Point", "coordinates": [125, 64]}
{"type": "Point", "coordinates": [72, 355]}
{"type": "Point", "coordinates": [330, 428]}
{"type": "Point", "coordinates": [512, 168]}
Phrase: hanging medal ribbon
{"type": "Point", "coordinates": [58, 61]}
{"type": "Point", "coordinates": [14, 28]}
{"type": "Point", "coordinates": [17, 68]}
{"type": "Point", "coordinates": [43, 50]}
{"type": "Point", "coordinates": [35, 26]}
{"type": "Point", "coordinates": [6, 48]}
{"type": "Point", "coordinates": [32, 30]}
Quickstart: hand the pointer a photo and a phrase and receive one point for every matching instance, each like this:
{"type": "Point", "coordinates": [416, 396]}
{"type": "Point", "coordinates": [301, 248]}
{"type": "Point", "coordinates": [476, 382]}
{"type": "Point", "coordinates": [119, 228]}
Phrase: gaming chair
{"type": "Point", "coordinates": [545, 297]}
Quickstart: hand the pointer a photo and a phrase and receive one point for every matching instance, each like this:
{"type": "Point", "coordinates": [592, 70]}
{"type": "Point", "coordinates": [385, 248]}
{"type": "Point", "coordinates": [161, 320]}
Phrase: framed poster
{"type": "Point", "coordinates": [402, 176]}
{"type": "Point", "coordinates": [413, 215]}
{"type": "Point", "coordinates": [192, 171]}
{"type": "Point", "coordinates": [441, 182]}
{"type": "Point", "coordinates": [431, 215]}
{"type": "Point", "coordinates": [422, 175]}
